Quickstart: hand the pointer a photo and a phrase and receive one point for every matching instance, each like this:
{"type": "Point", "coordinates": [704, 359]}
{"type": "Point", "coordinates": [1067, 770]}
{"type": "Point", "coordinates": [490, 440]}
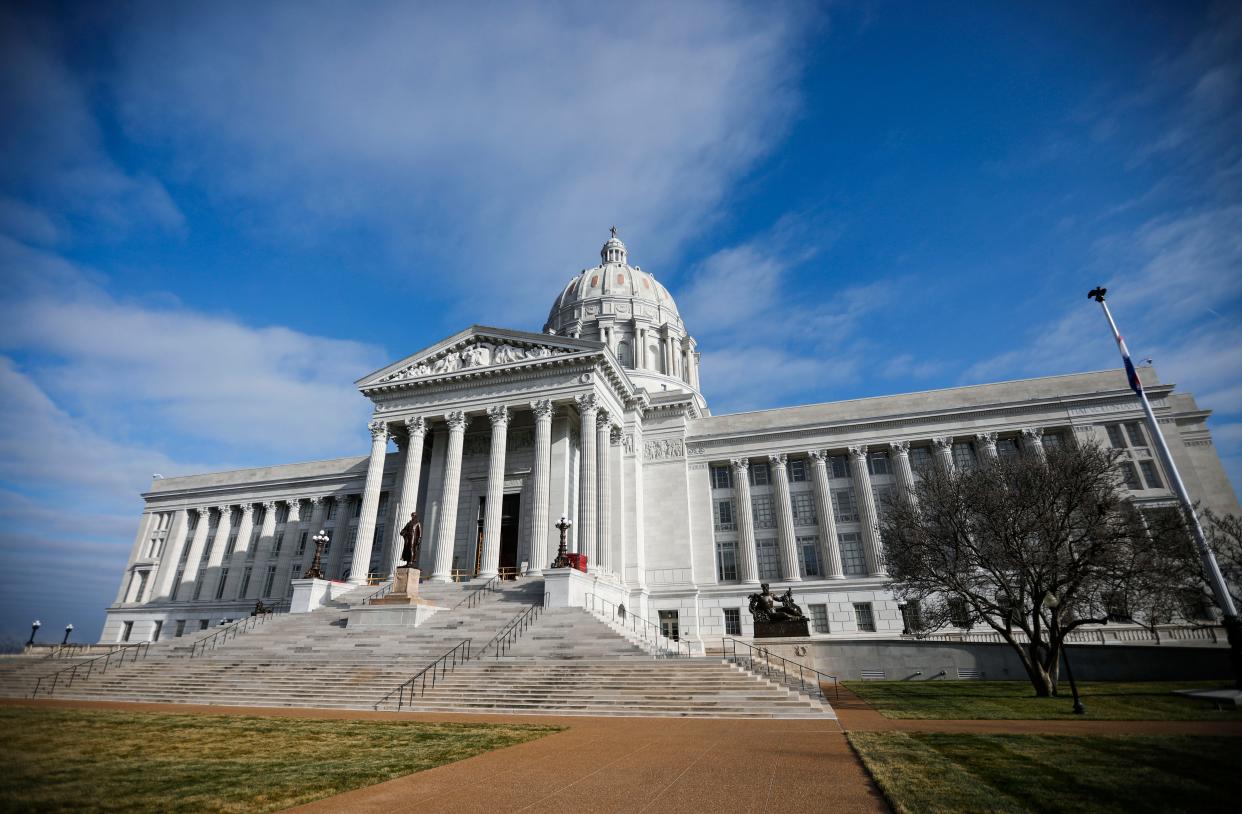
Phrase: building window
{"type": "Point", "coordinates": [180, 631]}
{"type": "Point", "coordinates": [126, 629]}
{"type": "Point", "coordinates": [844, 508]}
{"type": "Point", "coordinates": [198, 583]}
{"type": "Point", "coordinates": [282, 514]}
{"type": "Point", "coordinates": [959, 616]}
{"type": "Point", "coordinates": [177, 583]}
{"type": "Point", "coordinates": [203, 623]}
{"type": "Point", "coordinates": [1129, 476]}
{"type": "Point", "coordinates": [726, 561]}
{"type": "Point", "coordinates": [353, 539]}
{"type": "Point", "coordinates": [866, 620]}
{"type": "Point", "coordinates": [819, 618]}
{"type": "Point", "coordinates": [348, 563]}
{"type": "Point", "coordinates": [808, 556]}
{"type": "Point", "coordinates": [911, 618]}
{"type": "Point", "coordinates": [268, 580]}
{"type": "Point", "coordinates": [231, 545]}
{"type": "Point", "coordinates": [669, 625]}
{"type": "Point", "coordinates": [723, 510]}
{"type": "Point", "coordinates": [878, 464]}
{"type": "Point", "coordinates": [1115, 438]}
{"type": "Point", "coordinates": [1135, 433]}
{"type": "Point", "coordinates": [1007, 448]}
{"type": "Point", "coordinates": [722, 477]}
{"type": "Point", "coordinates": [155, 634]}
{"type": "Point", "coordinates": [245, 583]}
{"type": "Point", "coordinates": [803, 509]}
{"type": "Point", "coordinates": [277, 543]}
{"type": "Point", "coordinates": [920, 459]}
{"type": "Point", "coordinates": [761, 511]}
{"type": "Point", "coordinates": [301, 544]}
{"type": "Point", "coordinates": [853, 561]}
{"type": "Point", "coordinates": [357, 508]}
{"type": "Point", "coordinates": [1053, 440]}
{"type": "Point", "coordinates": [760, 475]}
{"type": "Point", "coordinates": [964, 455]}
{"type": "Point", "coordinates": [840, 466]}
{"type": "Point", "coordinates": [769, 559]}
{"type": "Point", "coordinates": [383, 505]}
{"type": "Point", "coordinates": [224, 575]}
{"type": "Point", "coordinates": [733, 621]}
{"type": "Point", "coordinates": [884, 494]}
{"type": "Point", "coordinates": [797, 471]}
{"type": "Point", "coordinates": [1151, 475]}
{"type": "Point", "coordinates": [330, 512]}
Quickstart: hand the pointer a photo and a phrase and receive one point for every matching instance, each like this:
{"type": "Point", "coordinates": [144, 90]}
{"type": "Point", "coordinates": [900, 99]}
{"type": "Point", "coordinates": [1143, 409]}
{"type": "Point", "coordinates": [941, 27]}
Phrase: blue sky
{"type": "Point", "coordinates": [213, 218]}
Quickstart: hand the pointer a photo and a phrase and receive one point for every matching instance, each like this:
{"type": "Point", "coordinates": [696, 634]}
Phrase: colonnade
{"type": "Point", "coordinates": [899, 456]}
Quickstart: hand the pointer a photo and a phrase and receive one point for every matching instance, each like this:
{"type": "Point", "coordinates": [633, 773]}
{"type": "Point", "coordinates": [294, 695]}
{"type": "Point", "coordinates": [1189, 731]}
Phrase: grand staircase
{"type": "Point", "coordinates": [566, 663]}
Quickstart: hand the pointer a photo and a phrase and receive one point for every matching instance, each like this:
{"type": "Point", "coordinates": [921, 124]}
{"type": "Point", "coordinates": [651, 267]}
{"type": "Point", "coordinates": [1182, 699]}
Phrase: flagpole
{"type": "Point", "coordinates": [1233, 626]}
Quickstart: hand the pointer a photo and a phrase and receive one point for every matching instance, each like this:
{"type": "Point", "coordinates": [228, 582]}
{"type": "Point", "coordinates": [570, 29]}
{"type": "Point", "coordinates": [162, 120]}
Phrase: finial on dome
{"type": "Point", "coordinates": [614, 249]}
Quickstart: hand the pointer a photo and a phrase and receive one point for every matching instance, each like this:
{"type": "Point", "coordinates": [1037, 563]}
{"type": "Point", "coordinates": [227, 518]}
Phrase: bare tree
{"type": "Point", "coordinates": [1034, 547]}
{"type": "Point", "coordinates": [1225, 535]}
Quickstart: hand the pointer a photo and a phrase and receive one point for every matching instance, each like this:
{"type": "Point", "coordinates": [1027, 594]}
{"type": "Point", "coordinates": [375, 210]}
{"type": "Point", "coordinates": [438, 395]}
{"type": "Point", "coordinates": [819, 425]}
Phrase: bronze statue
{"type": "Point", "coordinates": [413, 536]}
{"type": "Point", "coordinates": [764, 607]}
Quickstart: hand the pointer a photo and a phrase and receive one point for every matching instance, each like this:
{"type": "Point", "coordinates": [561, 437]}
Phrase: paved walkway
{"type": "Point", "coordinates": [857, 715]}
{"type": "Point", "coordinates": [611, 765]}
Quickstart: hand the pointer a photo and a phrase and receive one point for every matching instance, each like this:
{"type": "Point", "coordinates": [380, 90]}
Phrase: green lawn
{"type": "Point", "coordinates": [67, 759]}
{"type": "Point", "coordinates": [925, 773]}
{"type": "Point", "coordinates": [1104, 700]}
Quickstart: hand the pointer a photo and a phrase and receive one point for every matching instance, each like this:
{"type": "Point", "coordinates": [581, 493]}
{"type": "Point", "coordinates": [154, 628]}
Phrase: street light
{"type": "Point", "coordinates": [562, 561]}
{"type": "Point", "coordinates": [34, 628]}
{"type": "Point", "coordinates": [316, 570]}
{"type": "Point", "coordinates": [1051, 602]}
{"type": "Point", "coordinates": [1232, 623]}
{"type": "Point", "coordinates": [68, 630]}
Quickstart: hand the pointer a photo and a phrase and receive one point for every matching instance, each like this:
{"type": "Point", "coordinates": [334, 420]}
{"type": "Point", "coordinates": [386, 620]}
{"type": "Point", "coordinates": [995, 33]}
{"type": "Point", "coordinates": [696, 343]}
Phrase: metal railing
{"type": "Point", "coordinates": [223, 634]}
{"type": "Point", "coordinates": [512, 572]}
{"type": "Point", "coordinates": [649, 631]}
{"type": "Point", "coordinates": [502, 641]}
{"type": "Point", "coordinates": [84, 670]}
{"type": "Point", "coordinates": [385, 589]}
{"type": "Point", "coordinates": [461, 574]}
{"type": "Point", "coordinates": [62, 651]}
{"type": "Point", "coordinates": [476, 596]}
{"type": "Point", "coordinates": [758, 660]}
{"type": "Point", "coordinates": [440, 667]}
{"type": "Point", "coordinates": [1095, 635]}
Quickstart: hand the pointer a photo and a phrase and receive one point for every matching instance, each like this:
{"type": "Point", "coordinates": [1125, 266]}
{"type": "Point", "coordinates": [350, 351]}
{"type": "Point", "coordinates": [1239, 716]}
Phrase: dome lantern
{"type": "Point", "coordinates": [613, 251]}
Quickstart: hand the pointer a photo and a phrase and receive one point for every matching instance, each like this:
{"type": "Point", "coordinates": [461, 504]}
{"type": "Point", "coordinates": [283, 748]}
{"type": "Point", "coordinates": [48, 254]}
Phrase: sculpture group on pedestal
{"type": "Point", "coordinates": [777, 615]}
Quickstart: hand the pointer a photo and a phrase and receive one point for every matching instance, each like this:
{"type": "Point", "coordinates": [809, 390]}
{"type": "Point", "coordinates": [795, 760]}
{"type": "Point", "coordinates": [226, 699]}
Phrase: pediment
{"type": "Point", "coordinates": [474, 349]}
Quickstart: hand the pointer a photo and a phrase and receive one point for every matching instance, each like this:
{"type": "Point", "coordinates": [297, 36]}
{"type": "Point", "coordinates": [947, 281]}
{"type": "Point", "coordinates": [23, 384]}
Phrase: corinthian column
{"type": "Point", "coordinates": [495, 491]}
{"type": "Point", "coordinates": [587, 476]}
{"type": "Point", "coordinates": [827, 520]}
{"type": "Point", "coordinates": [866, 511]}
{"type": "Point", "coordinates": [1032, 440]}
{"type": "Point", "coordinates": [905, 474]}
{"type": "Point", "coordinates": [784, 518]}
{"type": "Point", "coordinates": [172, 556]}
{"type": "Point", "coordinates": [540, 473]}
{"type": "Point", "coordinates": [370, 503]}
{"type": "Point", "coordinates": [944, 451]}
{"type": "Point", "coordinates": [263, 551]}
{"type": "Point", "coordinates": [411, 471]}
{"type": "Point", "coordinates": [446, 525]}
{"type": "Point", "coordinates": [748, 556]}
{"type": "Point", "coordinates": [196, 552]}
{"type": "Point", "coordinates": [987, 442]}
{"type": "Point", "coordinates": [603, 532]}
{"type": "Point", "coordinates": [245, 527]}
{"type": "Point", "coordinates": [215, 556]}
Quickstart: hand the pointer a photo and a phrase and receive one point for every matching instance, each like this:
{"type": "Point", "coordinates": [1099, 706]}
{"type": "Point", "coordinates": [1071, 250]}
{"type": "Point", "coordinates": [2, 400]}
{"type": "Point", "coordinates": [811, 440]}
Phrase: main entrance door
{"type": "Point", "coordinates": [510, 512]}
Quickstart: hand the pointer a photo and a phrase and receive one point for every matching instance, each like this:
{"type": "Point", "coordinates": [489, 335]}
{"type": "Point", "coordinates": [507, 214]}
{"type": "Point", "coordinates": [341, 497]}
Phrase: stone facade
{"type": "Point", "coordinates": [499, 433]}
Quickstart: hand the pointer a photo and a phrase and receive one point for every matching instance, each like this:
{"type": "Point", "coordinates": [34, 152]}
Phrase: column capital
{"type": "Point", "coordinates": [415, 425]}
{"type": "Point", "coordinates": [498, 414]}
{"type": "Point", "coordinates": [740, 463]}
{"type": "Point", "coordinates": [270, 505]}
{"type": "Point", "coordinates": [858, 451]}
{"type": "Point", "coordinates": [986, 438]}
{"type": "Point", "coordinates": [342, 500]}
{"type": "Point", "coordinates": [457, 421]}
{"type": "Point", "coordinates": [223, 508]}
{"type": "Point", "coordinates": [1032, 433]}
{"type": "Point", "coordinates": [587, 402]}
{"type": "Point", "coordinates": [295, 510]}
{"type": "Point", "coordinates": [204, 511]}
{"type": "Point", "coordinates": [899, 447]}
{"type": "Point", "coordinates": [603, 415]}
{"type": "Point", "coordinates": [944, 442]}
{"type": "Point", "coordinates": [615, 434]}
{"type": "Point", "coordinates": [317, 501]}
{"type": "Point", "coordinates": [379, 430]}
{"type": "Point", "coordinates": [247, 509]}
{"type": "Point", "coordinates": [779, 459]}
{"type": "Point", "coordinates": [542, 408]}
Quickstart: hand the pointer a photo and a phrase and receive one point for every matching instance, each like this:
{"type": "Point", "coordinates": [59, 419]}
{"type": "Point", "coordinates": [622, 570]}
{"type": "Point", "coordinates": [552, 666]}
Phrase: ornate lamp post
{"type": "Point", "coordinates": [68, 630]}
{"type": "Point", "coordinates": [316, 570]}
{"type": "Point", "coordinates": [36, 624]}
{"type": "Point", "coordinates": [561, 560]}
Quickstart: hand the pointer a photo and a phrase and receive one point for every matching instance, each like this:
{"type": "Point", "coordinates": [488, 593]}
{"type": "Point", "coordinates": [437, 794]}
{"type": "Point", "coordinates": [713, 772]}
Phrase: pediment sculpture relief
{"type": "Point", "coordinates": [478, 354]}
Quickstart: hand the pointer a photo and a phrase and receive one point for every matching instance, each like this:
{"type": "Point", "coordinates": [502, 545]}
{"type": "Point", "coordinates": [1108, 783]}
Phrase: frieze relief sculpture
{"type": "Point", "coordinates": [478, 354]}
{"type": "Point", "coordinates": [657, 450]}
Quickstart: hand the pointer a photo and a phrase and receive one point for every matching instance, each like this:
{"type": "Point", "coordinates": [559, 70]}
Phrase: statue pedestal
{"type": "Point", "coordinates": [770, 630]}
{"type": "Point", "coordinates": [404, 589]}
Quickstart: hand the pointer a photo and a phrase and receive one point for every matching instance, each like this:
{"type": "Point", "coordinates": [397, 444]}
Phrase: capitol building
{"type": "Point", "coordinates": [494, 434]}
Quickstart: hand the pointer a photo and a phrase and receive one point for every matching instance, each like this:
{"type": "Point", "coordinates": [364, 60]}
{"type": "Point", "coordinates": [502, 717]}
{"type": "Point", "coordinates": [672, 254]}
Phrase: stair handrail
{"type": "Point", "coordinates": [384, 590]}
{"type": "Point", "coordinates": [502, 641]}
{"type": "Point", "coordinates": [62, 650]}
{"type": "Point", "coordinates": [476, 596]}
{"type": "Point", "coordinates": [441, 666]}
{"type": "Point", "coordinates": [765, 656]}
{"type": "Point", "coordinates": [671, 648]}
{"type": "Point", "coordinates": [222, 634]}
{"type": "Point", "coordinates": [89, 665]}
